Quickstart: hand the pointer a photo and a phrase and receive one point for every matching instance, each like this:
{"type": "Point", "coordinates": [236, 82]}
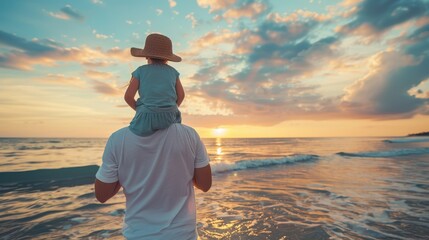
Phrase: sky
{"type": "Point", "coordinates": [251, 68]}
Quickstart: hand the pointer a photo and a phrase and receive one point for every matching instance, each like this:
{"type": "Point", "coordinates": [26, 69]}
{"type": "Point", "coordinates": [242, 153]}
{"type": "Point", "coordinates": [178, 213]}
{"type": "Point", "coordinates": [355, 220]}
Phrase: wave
{"type": "Point", "coordinates": [69, 147]}
{"type": "Point", "coordinates": [219, 167]}
{"type": "Point", "coordinates": [49, 174]}
{"type": "Point", "coordinates": [45, 141]}
{"type": "Point", "coordinates": [407, 140]}
{"type": "Point", "coordinates": [389, 153]}
{"type": "Point", "coordinates": [23, 148]}
{"type": "Point", "coordinates": [47, 179]}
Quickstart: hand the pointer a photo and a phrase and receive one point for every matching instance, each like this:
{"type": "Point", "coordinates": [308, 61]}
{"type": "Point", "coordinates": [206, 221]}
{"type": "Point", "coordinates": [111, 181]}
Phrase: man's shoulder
{"type": "Point", "coordinates": [175, 128]}
{"type": "Point", "coordinates": [181, 128]}
{"type": "Point", "coordinates": [181, 125]}
{"type": "Point", "coordinates": [119, 133]}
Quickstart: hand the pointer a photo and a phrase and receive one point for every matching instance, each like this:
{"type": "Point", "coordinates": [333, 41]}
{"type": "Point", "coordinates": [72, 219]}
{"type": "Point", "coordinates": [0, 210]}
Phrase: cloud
{"type": "Point", "coordinates": [235, 9]}
{"type": "Point", "coordinates": [373, 94]}
{"type": "Point", "coordinates": [215, 5]}
{"type": "Point", "coordinates": [197, 105]}
{"type": "Point", "coordinates": [129, 22]}
{"type": "Point", "coordinates": [172, 3]}
{"type": "Point", "coordinates": [385, 91]}
{"type": "Point", "coordinates": [67, 13]}
{"type": "Point", "coordinates": [192, 18]}
{"type": "Point", "coordinates": [101, 36]}
{"type": "Point", "coordinates": [24, 54]}
{"type": "Point", "coordinates": [159, 12]}
{"type": "Point", "coordinates": [216, 38]}
{"type": "Point", "coordinates": [247, 9]}
{"type": "Point", "coordinates": [48, 42]}
{"type": "Point", "coordinates": [72, 13]}
{"type": "Point", "coordinates": [61, 79]}
{"type": "Point", "coordinates": [373, 17]}
{"type": "Point", "coordinates": [106, 88]}
{"type": "Point", "coordinates": [273, 71]}
{"type": "Point", "coordinates": [32, 48]}
{"type": "Point", "coordinates": [23, 51]}
{"type": "Point", "coordinates": [417, 43]}
{"type": "Point", "coordinates": [260, 79]}
{"type": "Point", "coordinates": [97, 2]}
{"type": "Point", "coordinates": [59, 15]}
{"type": "Point", "coordinates": [92, 74]}
{"type": "Point", "coordinates": [298, 15]}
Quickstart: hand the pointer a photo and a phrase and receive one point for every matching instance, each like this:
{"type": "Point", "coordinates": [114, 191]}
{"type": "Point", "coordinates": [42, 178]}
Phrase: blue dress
{"type": "Point", "coordinates": [156, 107]}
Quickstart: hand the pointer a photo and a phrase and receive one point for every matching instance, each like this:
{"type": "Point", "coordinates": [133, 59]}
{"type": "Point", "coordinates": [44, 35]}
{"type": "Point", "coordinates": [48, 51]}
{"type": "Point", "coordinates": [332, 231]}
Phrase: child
{"type": "Point", "coordinates": [159, 87]}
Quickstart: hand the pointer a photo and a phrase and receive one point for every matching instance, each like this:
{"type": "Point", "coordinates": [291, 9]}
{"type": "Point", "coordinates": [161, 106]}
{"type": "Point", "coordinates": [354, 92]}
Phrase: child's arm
{"type": "Point", "coordinates": [180, 92]}
{"type": "Point", "coordinates": [131, 93]}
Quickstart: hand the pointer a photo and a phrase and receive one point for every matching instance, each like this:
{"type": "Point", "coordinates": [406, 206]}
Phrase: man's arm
{"type": "Point", "coordinates": [104, 191]}
{"type": "Point", "coordinates": [203, 178]}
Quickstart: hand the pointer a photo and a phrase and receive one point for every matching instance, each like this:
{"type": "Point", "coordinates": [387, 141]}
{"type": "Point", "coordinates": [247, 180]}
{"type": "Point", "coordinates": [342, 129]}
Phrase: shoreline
{"type": "Point", "coordinates": [421, 134]}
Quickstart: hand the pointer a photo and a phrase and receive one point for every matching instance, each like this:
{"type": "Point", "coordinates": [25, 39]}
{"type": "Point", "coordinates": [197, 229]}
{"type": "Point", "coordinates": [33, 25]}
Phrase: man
{"type": "Point", "coordinates": [157, 174]}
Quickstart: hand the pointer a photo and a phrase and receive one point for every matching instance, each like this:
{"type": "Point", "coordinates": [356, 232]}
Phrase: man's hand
{"type": "Point", "coordinates": [104, 191]}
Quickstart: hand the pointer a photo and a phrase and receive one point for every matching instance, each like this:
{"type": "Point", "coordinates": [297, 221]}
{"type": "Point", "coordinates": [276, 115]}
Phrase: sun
{"type": "Point", "coordinates": [219, 132]}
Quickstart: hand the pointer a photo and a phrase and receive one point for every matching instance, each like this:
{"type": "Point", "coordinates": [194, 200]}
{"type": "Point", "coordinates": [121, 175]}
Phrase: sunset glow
{"type": "Point", "coordinates": [219, 132]}
{"type": "Point", "coordinates": [263, 68]}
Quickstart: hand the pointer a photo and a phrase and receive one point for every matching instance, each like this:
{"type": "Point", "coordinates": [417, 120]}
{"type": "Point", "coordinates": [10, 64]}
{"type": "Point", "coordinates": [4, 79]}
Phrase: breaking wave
{"type": "Point", "coordinates": [219, 167]}
{"type": "Point", "coordinates": [389, 153]}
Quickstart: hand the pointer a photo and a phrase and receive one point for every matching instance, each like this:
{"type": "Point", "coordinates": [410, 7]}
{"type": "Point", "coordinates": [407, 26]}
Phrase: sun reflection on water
{"type": "Point", "coordinates": [219, 152]}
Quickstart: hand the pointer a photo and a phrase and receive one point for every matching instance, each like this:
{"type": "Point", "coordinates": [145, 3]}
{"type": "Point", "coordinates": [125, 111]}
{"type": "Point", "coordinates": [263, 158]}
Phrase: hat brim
{"type": "Point", "coordinates": [138, 52]}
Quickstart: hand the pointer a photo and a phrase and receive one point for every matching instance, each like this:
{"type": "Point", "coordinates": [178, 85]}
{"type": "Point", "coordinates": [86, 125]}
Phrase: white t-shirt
{"type": "Point", "coordinates": [156, 175]}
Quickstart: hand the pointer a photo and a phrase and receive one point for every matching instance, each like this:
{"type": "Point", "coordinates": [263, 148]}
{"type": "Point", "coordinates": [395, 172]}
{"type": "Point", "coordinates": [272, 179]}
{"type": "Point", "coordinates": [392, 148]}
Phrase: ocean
{"type": "Point", "coordinates": [267, 188]}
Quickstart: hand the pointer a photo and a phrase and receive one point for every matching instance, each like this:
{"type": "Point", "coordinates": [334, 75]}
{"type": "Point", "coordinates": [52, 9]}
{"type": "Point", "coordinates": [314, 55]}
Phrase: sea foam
{"type": "Point", "coordinates": [389, 153]}
{"type": "Point", "coordinates": [219, 167]}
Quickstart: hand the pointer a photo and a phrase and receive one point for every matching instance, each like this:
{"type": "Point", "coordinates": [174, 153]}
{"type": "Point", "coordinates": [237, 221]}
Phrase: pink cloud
{"type": "Point", "coordinates": [298, 15]}
{"type": "Point", "coordinates": [61, 79]}
{"type": "Point", "coordinates": [258, 78]}
{"type": "Point", "coordinates": [216, 38]}
{"type": "Point", "coordinates": [172, 3]}
{"type": "Point", "coordinates": [251, 10]}
{"type": "Point", "coordinates": [83, 55]}
{"type": "Point", "coordinates": [106, 88]}
{"type": "Point", "coordinates": [215, 5]}
{"type": "Point", "coordinates": [92, 74]}
{"type": "Point", "coordinates": [24, 54]}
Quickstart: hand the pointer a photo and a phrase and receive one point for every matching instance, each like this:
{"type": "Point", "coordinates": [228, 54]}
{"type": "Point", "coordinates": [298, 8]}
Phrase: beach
{"type": "Point", "coordinates": [283, 188]}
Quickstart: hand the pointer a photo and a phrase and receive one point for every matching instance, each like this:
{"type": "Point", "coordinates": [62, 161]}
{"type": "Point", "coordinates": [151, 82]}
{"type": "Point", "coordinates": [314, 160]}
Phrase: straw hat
{"type": "Point", "coordinates": [157, 46]}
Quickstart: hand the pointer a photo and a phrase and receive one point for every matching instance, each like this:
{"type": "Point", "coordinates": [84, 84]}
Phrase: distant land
{"type": "Point", "coordinates": [418, 134]}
